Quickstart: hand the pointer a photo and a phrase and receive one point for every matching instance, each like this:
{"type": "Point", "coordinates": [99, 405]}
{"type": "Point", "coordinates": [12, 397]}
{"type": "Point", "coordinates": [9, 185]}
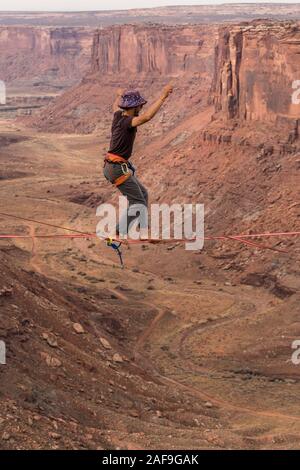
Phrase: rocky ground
{"type": "Point", "coordinates": [179, 350]}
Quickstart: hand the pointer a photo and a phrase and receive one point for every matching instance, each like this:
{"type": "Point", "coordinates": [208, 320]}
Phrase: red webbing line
{"type": "Point", "coordinates": [42, 223]}
{"type": "Point", "coordinates": [80, 234]}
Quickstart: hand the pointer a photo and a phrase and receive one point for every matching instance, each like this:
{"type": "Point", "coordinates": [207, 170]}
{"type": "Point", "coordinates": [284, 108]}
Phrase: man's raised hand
{"type": "Point", "coordinates": [168, 89]}
{"type": "Point", "coordinates": [120, 91]}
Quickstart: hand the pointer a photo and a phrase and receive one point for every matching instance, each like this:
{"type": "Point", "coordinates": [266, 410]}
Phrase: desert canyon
{"type": "Point", "coordinates": [181, 349]}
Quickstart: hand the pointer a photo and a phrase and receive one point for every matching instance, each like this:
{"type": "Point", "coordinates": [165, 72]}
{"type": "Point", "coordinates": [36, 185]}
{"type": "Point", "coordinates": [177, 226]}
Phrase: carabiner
{"type": "Point", "coordinates": [126, 170]}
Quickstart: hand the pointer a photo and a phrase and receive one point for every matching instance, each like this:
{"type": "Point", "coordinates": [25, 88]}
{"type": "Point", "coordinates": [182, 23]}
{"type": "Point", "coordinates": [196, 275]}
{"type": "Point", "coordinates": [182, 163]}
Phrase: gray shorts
{"type": "Point", "coordinates": [132, 188]}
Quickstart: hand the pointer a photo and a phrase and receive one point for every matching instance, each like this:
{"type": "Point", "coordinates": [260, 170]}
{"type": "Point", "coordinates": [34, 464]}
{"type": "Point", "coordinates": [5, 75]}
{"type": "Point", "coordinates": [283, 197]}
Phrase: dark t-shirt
{"type": "Point", "coordinates": [122, 135]}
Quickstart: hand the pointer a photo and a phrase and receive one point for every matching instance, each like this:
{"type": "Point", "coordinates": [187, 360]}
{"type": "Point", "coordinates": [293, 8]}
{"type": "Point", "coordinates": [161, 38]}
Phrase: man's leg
{"type": "Point", "coordinates": [144, 191]}
{"type": "Point", "coordinates": [144, 229]}
{"type": "Point", "coordinates": [136, 194]}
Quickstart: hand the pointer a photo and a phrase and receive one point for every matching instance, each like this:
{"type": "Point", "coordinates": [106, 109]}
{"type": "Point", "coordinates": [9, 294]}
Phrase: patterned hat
{"type": "Point", "coordinates": [131, 99]}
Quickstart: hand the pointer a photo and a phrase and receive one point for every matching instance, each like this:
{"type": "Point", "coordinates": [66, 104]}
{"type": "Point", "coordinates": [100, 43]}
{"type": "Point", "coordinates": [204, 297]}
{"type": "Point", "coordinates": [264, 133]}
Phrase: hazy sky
{"type": "Point", "coordinates": [83, 5]}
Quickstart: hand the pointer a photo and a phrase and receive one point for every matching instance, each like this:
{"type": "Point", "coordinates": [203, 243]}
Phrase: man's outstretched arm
{"type": "Point", "coordinates": [120, 92]}
{"type": "Point", "coordinates": [154, 108]}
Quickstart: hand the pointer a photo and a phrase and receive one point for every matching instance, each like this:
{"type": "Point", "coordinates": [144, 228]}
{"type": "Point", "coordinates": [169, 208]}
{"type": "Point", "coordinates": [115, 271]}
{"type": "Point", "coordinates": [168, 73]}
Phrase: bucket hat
{"type": "Point", "coordinates": [131, 99]}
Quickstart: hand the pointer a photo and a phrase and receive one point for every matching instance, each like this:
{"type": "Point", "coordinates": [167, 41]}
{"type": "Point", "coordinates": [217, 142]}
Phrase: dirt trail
{"type": "Point", "coordinates": [34, 258]}
{"type": "Point", "coordinates": [146, 336]}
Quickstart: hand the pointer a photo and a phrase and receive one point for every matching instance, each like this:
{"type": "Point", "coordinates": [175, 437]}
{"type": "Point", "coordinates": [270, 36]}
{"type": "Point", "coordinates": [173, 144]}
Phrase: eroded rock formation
{"type": "Point", "coordinates": [256, 66]}
{"type": "Point", "coordinates": [247, 71]}
{"type": "Point", "coordinates": [40, 55]}
{"type": "Point", "coordinates": [167, 50]}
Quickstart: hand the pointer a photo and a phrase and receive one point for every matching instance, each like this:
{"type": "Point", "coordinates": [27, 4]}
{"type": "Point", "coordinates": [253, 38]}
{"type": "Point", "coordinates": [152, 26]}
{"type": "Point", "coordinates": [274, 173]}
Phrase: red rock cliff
{"type": "Point", "coordinates": [44, 54]}
{"type": "Point", "coordinates": [140, 49]}
{"type": "Point", "coordinates": [137, 56]}
{"type": "Point", "coordinates": [249, 68]}
{"type": "Point", "coordinates": [256, 66]}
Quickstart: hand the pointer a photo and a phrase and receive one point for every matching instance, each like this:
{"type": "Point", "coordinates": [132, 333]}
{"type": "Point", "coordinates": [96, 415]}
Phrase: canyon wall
{"type": "Point", "coordinates": [246, 71]}
{"type": "Point", "coordinates": [145, 57]}
{"type": "Point", "coordinates": [38, 55]}
{"type": "Point", "coordinates": [256, 66]}
{"type": "Point", "coordinates": [140, 49]}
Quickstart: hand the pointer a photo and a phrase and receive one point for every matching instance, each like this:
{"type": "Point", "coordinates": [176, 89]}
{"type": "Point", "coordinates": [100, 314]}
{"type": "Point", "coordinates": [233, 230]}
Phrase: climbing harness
{"type": "Point", "coordinates": [121, 179]}
{"type": "Point", "coordinates": [116, 246]}
{"type": "Point", "coordinates": [125, 165]}
{"type": "Point", "coordinates": [112, 158]}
